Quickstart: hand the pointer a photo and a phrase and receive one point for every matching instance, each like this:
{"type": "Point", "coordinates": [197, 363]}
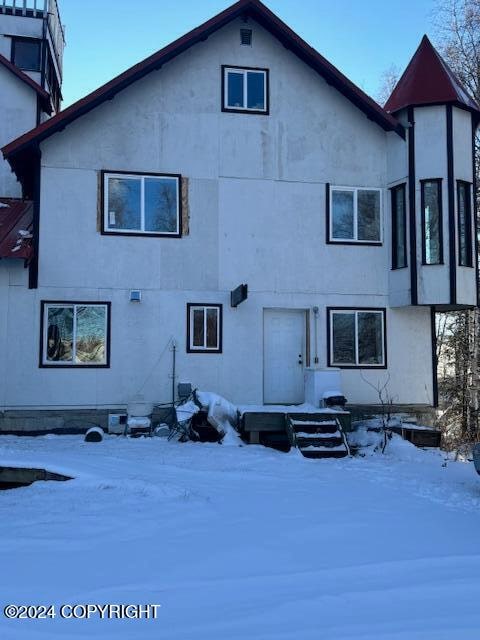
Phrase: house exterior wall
{"type": "Point", "coordinates": [18, 106]}
{"type": "Point", "coordinates": [257, 205]}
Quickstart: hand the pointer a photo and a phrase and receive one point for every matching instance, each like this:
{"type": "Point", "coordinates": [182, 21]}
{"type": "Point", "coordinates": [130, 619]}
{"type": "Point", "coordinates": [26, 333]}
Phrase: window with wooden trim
{"type": "Point", "coordinates": [204, 328]}
{"type": "Point", "coordinates": [75, 334]}
{"type": "Point", "coordinates": [399, 227]}
{"type": "Point", "coordinates": [141, 204]}
{"type": "Point", "coordinates": [356, 338]}
{"type": "Point", "coordinates": [432, 221]}
{"type": "Point", "coordinates": [464, 224]}
{"type": "Point", "coordinates": [245, 89]}
{"type": "Point", "coordinates": [355, 215]}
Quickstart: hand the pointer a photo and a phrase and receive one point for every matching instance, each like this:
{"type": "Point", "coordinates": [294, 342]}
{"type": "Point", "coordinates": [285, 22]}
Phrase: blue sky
{"type": "Point", "coordinates": [360, 37]}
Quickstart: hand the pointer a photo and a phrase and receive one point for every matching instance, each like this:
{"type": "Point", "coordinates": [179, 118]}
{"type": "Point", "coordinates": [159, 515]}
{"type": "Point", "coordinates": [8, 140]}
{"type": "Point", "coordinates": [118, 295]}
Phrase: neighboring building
{"type": "Point", "coordinates": [239, 155]}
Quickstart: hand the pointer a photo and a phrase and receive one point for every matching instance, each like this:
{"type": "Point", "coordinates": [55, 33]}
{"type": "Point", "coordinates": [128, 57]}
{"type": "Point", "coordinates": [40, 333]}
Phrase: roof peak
{"type": "Point", "coordinates": [264, 16]}
{"type": "Point", "coordinates": [428, 80]}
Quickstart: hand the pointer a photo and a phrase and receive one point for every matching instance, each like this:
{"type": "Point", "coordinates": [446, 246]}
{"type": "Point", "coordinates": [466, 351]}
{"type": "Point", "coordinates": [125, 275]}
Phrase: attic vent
{"type": "Point", "coordinates": [246, 36]}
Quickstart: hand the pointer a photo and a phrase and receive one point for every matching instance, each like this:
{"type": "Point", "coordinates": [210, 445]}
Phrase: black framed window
{"type": "Point", "coordinates": [354, 215]}
{"type": "Point", "coordinates": [141, 204]}
{"type": "Point", "coordinates": [245, 89]}
{"type": "Point", "coordinates": [356, 338]}
{"type": "Point", "coordinates": [464, 224]}
{"type": "Point", "coordinates": [432, 221]}
{"type": "Point", "coordinates": [75, 334]}
{"type": "Point", "coordinates": [204, 328]}
{"type": "Point", "coordinates": [26, 53]}
{"type": "Point", "coordinates": [399, 227]}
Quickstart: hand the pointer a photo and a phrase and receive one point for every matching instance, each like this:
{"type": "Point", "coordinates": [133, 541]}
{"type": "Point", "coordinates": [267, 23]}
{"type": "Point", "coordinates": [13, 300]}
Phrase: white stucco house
{"type": "Point", "coordinates": [237, 155]}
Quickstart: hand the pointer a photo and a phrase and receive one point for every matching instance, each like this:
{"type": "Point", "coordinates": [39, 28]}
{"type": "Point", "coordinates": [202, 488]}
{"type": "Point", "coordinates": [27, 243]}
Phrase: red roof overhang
{"type": "Point", "coordinates": [252, 8]}
{"type": "Point", "coordinates": [42, 94]}
{"type": "Point", "coordinates": [16, 224]}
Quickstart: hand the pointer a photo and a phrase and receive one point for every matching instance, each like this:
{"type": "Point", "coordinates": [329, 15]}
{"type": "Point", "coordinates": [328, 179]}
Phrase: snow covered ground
{"type": "Point", "coordinates": [241, 542]}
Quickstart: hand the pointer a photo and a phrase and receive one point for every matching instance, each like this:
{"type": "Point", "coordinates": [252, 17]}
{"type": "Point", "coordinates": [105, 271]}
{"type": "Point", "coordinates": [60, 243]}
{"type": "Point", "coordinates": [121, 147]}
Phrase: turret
{"type": "Point", "coordinates": [31, 53]}
{"type": "Point", "coordinates": [437, 237]}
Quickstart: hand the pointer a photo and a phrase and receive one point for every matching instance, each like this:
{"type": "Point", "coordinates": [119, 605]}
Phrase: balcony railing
{"type": "Point", "coordinates": [40, 9]}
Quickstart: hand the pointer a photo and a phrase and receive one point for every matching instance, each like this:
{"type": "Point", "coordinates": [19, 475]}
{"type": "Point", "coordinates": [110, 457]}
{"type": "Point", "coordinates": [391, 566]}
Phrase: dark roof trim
{"type": "Point", "coordinates": [263, 16]}
{"type": "Point", "coordinates": [42, 94]}
{"type": "Point", "coordinates": [16, 217]}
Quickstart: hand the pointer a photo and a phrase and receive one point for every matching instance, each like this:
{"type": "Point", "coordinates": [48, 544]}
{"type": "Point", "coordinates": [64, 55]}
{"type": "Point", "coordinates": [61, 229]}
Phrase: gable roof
{"type": "Point", "coordinates": [42, 94]}
{"type": "Point", "coordinates": [263, 16]}
{"type": "Point", "coordinates": [16, 223]}
{"type": "Point", "coordinates": [428, 80]}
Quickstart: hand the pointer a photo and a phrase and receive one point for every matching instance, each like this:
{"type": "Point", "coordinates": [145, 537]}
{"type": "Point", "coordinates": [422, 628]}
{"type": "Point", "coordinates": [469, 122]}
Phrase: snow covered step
{"type": "Point", "coordinates": [321, 436]}
{"type": "Point", "coordinates": [314, 423]}
{"type": "Point", "coordinates": [311, 451]}
{"type": "Point", "coordinates": [340, 447]}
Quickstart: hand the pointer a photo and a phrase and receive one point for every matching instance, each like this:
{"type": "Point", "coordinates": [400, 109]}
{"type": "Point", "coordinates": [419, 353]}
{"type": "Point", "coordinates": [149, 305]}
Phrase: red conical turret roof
{"type": "Point", "coordinates": [428, 80]}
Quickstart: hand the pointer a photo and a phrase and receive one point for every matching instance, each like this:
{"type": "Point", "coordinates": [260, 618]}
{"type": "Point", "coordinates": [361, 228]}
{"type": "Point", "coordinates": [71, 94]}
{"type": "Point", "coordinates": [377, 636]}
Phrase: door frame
{"type": "Point", "coordinates": [307, 318]}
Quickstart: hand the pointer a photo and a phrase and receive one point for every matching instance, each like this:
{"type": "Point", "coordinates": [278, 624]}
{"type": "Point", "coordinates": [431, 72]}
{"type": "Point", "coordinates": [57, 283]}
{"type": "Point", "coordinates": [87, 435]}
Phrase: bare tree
{"type": "Point", "coordinates": [457, 30]}
{"type": "Point", "coordinates": [388, 81]}
{"type": "Point", "coordinates": [386, 406]}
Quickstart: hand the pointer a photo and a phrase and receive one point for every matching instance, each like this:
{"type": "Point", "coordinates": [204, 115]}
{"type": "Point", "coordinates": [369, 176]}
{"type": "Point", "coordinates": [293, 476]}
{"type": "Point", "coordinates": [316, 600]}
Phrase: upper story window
{"type": "Point", "coordinates": [464, 203]}
{"type": "Point", "coordinates": [245, 90]}
{"type": "Point", "coordinates": [26, 53]}
{"type": "Point", "coordinates": [354, 215]}
{"type": "Point", "coordinates": [141, 204]}
{"type": "Point", "coordinates": [75, 334]}
{"type": "Point", "coordinates": [399, 227]}
{"type": "Point", "coordinates": [356, 338]}
{"type": "Point", "coordinates": [432, 232]}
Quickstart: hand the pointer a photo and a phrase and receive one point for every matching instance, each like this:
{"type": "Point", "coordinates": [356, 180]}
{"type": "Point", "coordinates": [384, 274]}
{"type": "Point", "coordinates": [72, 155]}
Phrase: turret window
{"type": "Point", "coordinates": [464, 202]}
{"type": "Point", "coordinates": [399, 228]}
{"type": "Point", "coordinates": [26, 53]}
{"type": "Point", "coordinates": [432, 234]}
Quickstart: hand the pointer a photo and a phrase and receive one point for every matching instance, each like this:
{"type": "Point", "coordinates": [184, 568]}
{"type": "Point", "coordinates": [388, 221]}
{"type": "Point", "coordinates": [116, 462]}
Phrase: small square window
{"type": "Point", "coordinates": [141, 204]}
{"type": "Point", "coordinates": [356, 338]}
{"type": "Point", "coordinates": [26, 54]}
{"type": "Point", "coordinates": [355, 215]}
{"type": "Point", "coordinates": [75, 334]}
{"type": "Point", "coordinates": [204, 328]}
{"type": "Point", "coordinates": [245, 90]}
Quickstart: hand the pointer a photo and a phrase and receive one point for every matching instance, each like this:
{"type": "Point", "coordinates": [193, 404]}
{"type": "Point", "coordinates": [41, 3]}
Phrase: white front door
{"type": "Point", "coordinates": [283, 356]}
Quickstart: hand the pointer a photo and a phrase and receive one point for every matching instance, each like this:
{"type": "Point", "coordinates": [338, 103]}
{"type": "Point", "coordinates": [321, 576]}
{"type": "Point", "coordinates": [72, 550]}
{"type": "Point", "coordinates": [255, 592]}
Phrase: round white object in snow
{"type": "Point", "coordinates": [94, 434]}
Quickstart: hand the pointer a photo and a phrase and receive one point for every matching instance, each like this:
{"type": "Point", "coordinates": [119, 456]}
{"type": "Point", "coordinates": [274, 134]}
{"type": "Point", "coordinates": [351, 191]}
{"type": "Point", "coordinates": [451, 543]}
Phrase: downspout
{"type": "Point", "coordinates": [33, 268]}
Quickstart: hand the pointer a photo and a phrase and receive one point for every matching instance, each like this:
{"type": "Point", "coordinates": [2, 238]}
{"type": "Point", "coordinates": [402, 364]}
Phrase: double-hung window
{"type": "Point", "coordinates": [399, 227]}
{"type": "Point", "coordinates": [432, 232]}
{"type": "Point", "coordinates": [464, 225]}
{"type": "Point", "coordinates": [355, 215]}
{"type": "Point", "coordinates": [75, 334]}
{"type": "Point", "coordinates": [245, 89]}
{"type": "Point", "coordinates": [204, 328]}
{"type": "Point", "coordinates": [356, 338]}
{"type": "Point", "coordinates": [141, 204]}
